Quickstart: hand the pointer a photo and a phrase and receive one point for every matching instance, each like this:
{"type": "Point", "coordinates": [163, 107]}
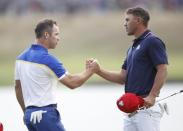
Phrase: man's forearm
{"type": "Point", "coordinates": [75, 80]}
{"type": "Point", "coordinates": [112, 76]}
{"type": "Point", "coordinates": [19, 97]}
{"type": "Point", "coordinates": [81, 78]}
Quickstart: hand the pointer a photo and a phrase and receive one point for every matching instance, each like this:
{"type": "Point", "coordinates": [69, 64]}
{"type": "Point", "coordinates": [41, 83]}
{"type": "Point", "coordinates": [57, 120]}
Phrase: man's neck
{"type": "Point", "coordinates": [42, 42]}
{"type": "Point", "coordinates": [139, 32]}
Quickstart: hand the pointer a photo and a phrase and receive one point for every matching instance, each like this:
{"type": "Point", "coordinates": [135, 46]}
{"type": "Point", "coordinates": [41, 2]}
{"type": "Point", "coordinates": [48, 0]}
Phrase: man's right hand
{"type": "Point", "coordinates": [92, 65]}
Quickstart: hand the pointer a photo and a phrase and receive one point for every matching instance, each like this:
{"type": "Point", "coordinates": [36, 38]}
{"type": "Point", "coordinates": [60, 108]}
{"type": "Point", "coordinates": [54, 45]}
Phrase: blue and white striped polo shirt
{"type": "Point", "coordinates": [37, 70]}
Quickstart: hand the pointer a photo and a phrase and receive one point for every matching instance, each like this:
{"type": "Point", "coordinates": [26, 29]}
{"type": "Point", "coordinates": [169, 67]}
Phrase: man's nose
{"type": "Point", "coordinates": [125, 24]}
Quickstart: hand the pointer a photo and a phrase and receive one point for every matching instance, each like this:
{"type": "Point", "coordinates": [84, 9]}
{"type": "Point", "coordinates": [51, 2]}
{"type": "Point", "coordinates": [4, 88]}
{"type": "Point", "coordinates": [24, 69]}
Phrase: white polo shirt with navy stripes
{"type": "Point", "coordinates": [38, 72]}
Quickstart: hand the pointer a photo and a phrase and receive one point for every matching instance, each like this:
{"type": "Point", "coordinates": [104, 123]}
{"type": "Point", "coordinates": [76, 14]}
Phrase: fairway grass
{"type": "Point", "coordinates": [76, 64]}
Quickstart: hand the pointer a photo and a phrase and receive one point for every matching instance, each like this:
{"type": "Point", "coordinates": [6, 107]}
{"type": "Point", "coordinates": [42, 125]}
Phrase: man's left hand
{"type": "Point", "coordinates": [149, 101]}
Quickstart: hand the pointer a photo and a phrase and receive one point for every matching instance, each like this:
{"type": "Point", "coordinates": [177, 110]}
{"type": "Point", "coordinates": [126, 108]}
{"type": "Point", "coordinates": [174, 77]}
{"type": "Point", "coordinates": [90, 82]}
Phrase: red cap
{"type": "Point", "coordinates": [1, 126]}
{"type": "Point", "coordinates": [130, 102]}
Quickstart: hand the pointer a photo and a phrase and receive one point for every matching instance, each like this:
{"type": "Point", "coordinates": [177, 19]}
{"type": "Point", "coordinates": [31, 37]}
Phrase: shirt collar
{"type": "Point", "coordinates": [39, 47]}
{"type": "Point", "coordinates": [143, 36]}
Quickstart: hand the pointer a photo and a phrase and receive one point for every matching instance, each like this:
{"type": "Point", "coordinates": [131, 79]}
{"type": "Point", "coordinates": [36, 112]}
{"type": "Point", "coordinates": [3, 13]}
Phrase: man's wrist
{"type": "Point", "coordinates": [153, 95]}
{"type": "Point", "coordinates": [89, 71]}
{"type": "Point", "coordinates": [99, 72]}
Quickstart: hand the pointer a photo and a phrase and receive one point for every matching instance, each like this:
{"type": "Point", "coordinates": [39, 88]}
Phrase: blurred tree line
{"type": "Point", "coordinates": [20, 7]}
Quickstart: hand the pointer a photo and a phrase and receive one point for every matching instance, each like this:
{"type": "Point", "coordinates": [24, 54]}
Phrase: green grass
{"type": "Point", "coordinates": [76, 64]}
{"type": "Point", "coordinates": [175, 68]}
{"type": "Point", "coordinates": [7, 74]}
{"type": "Point", "coordinates": [84, 36]}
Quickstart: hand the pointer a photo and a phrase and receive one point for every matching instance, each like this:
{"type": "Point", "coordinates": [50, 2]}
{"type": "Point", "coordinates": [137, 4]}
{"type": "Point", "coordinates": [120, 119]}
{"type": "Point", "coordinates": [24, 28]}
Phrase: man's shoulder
{"type": "Point", "coordinates": [152, 38]}
{"type": "Point", "coordinates": [22, 55]}
{"type": "Point", "coordinates": [51, 58]}
{"type": "Point", "coordinates": [39, 57]}
{"type": "Point", "coordinates": [50, 61]}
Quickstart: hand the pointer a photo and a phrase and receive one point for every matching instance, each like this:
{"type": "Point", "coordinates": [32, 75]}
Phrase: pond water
{"type": "Point", "coordinates": [91, 108]}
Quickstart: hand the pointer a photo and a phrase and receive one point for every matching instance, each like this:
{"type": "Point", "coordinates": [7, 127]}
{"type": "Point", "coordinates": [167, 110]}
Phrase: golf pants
{"type": "Point", "coordinates": [50, 121]}
{"type": "Point", "coordinates": [144, 120]}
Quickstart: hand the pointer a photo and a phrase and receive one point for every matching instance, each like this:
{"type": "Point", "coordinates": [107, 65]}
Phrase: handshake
{"type": "Point", "coordinates": [92, 65]}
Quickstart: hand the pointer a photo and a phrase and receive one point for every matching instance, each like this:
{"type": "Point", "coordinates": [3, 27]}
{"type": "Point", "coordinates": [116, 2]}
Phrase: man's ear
{"type": "Point", "coordinates": [139, 20]}
{"type": "Point", "coordinates": [46, 35]}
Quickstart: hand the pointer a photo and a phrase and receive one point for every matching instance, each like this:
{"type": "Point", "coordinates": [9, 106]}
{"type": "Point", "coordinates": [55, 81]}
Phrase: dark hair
{"type": "Point", "coordinates": [44, 26]}
{"type": "Point", "coordinates": [139, 12]}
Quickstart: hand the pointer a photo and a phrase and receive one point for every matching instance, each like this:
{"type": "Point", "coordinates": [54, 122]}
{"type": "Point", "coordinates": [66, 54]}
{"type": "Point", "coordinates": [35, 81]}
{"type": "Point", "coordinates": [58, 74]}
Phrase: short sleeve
{"type": "Point", "coordinates": [124, 66]}
{"type": "Point", "coordinates": [157, 52]}
{"type": "Point", "coordinates": [56, 66]}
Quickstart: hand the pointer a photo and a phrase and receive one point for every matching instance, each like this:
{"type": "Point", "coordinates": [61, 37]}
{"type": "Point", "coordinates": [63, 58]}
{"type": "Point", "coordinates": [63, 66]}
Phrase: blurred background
{"type": "Point", "coordinates": [89, 28]}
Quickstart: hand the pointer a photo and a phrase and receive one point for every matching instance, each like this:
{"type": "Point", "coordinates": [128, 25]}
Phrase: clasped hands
{"type": "Point", "coordinates": [92, 65]}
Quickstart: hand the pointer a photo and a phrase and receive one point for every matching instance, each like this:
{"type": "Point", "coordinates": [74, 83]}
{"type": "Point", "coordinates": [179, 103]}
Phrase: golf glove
{"type": "Point", "coordinates": [36, 116]}
{"type": "Point", "coordinates": [164, 108]}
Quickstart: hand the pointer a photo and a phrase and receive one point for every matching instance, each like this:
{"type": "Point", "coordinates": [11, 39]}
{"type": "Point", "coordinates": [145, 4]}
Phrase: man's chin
{"type": "Point", "coordinates": [129, 33]}
{"type": "Point", "coordinates": [52, 47]}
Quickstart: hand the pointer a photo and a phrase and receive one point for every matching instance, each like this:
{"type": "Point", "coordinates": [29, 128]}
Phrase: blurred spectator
{"type": "Point", "coordinates": [172, 4]}
{"type": "Point", "coordinates": [73, 6]}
